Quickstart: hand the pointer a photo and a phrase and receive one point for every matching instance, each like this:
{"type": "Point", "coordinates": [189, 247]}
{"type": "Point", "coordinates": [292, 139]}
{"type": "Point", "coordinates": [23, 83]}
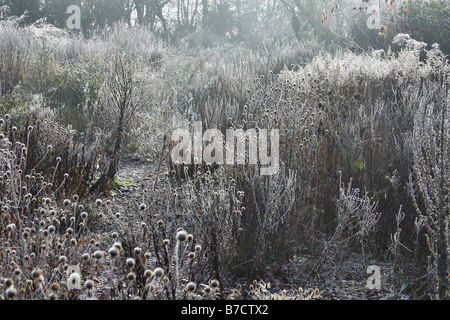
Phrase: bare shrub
{"type": "Point", "coordinates": [429, 145]}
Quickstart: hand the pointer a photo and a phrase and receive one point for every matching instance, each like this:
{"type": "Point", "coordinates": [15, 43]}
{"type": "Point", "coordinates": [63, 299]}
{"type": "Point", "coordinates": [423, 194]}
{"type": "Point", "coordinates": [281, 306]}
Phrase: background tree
{"type": "Point", "coordinates": [32, 8]}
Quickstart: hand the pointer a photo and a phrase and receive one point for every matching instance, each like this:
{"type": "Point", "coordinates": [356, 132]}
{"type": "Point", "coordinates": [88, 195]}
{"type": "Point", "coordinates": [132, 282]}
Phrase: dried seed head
{"type": "Point", "coordinates": [148, 273]}
{"type": "Point", "coordinates": [98, 255]}
{"type": "Point", "coordinates": [181, 236]}
{"type": "Point", "coordinates": [89, 284]}
{"type": "Point", "coordinates": [131, 276]}
{"type": "Point", "coordinates": [198, 248]}
{"type": "Point", "coordinates": [17, 272]}
{"type": "Point", "coordinates": [191, 255]}
{"type": "Point", "coordinates": [8, 282]}
{"type": "Point", "coordinates": [191, 287]}
{"type": "Point", "coordinates": [142, 206]}
{"type": "Point", "coordinates": [55, 286]}
{"type": "Point", "coordinates": [11, 293]}
{"type": "Point", "coordinates": [214, 284]}
{"type": "Point", "coordinates": [36, 273]}
{"type": "Point", "coordinates": [130, 262]}
{"type": "Point", "coordinates": [158, 272]}
{"type": "Point", "coordinates": [118, 245]}
{"type": "Point", "coordinates": [113, 252]}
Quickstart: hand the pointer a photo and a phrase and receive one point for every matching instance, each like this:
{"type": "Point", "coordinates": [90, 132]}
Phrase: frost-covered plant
{"type": "Point", "coordinates": [404, 40]}
{"type": "Point", "coordinates": [260, 290]}
{"type": "Point", "coordinates": [430, 176]}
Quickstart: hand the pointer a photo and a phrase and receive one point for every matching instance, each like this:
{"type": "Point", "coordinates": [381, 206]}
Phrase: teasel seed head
{"type": "Point", "coordinates": [55, 286]}
{"type": "Point", "coordinates": [131, 276]}
{"type": "Point", "coordinates": [118, 245]}
{"type": "Point", "coordinates": [89, 284]}
{"type": "Point", "coordinates": [158, 272]}
{"type": "Point", "coordinates": [181, 236]}
{"type": "Point", "coordinates": [36, 273]}
{"type": "Point", "coordinates": [214, 284]}
{"type": "Point", "coordinates": [98, 255]}
{"type": "Point", "coordinates": [113, 252]}
{"type": "Point", "coordinates": [8, 282]}
{"type": "Point", "coordinates": [130, 262]}
{"type": "Point", "coordinates": [11, 293]}
{"type": "Point", "coordinates": [191, 286]}
{"type": "Point", "coordinates": [17, 272]}
{"type": "Point", "coordinates": [148, 273]}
